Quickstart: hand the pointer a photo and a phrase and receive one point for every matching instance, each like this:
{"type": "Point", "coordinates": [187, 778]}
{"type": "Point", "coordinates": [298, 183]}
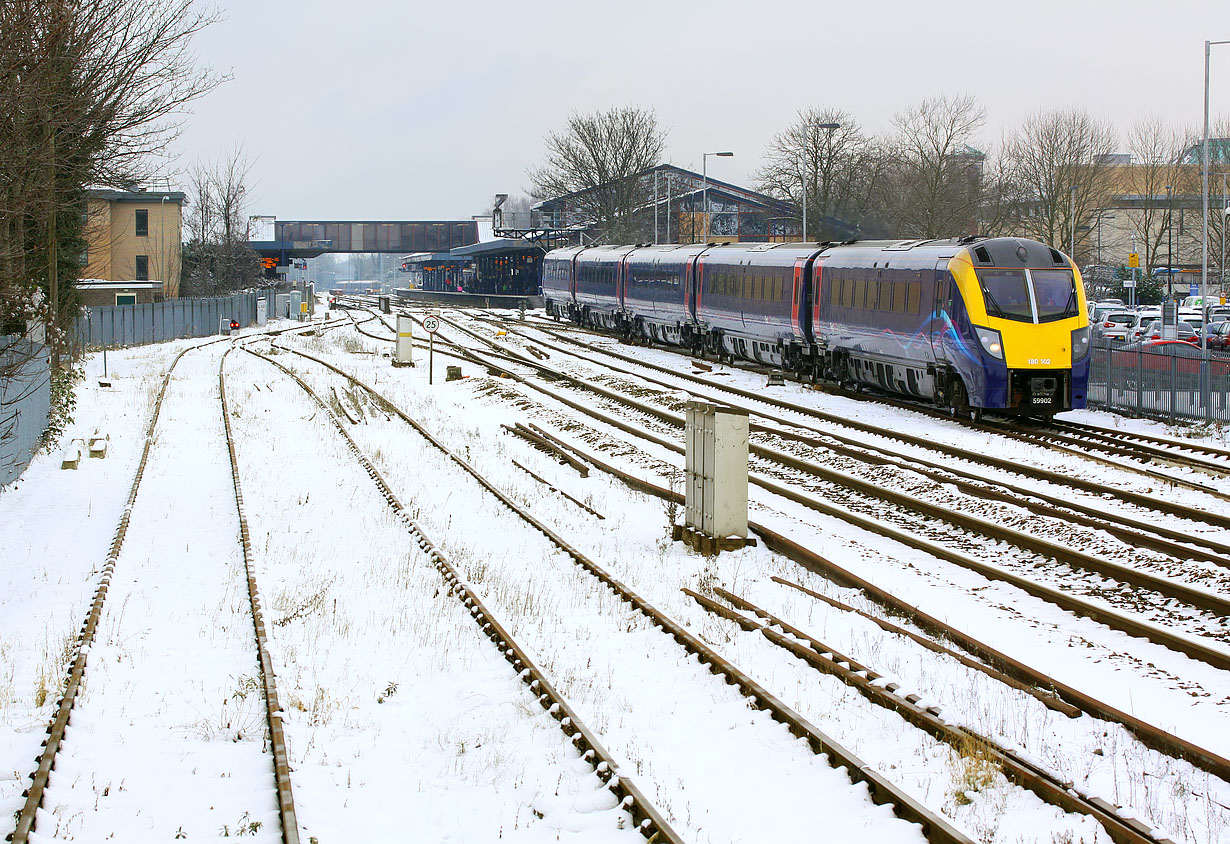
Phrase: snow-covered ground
{"type": "Point", "coordinates": [405, 723]}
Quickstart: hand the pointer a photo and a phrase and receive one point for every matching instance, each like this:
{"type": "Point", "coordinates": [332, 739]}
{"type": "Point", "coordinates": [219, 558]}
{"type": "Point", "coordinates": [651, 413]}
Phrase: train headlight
{"type": "Point", "coordinates": [992, 344]}
{"type": "Point", "coordinates": [1080, 343]}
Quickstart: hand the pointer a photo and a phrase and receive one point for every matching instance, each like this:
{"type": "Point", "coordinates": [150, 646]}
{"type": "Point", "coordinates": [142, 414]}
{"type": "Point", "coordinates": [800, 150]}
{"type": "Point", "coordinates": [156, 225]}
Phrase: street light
{"type": "Point", "coordinates": [1169, 245]}
{"type": "Point", "coordinates": [1204, 234]}
{"type": "Point", "coordinates": [704, 174]}
{"type": "Point", "coordinates": [803, 175]}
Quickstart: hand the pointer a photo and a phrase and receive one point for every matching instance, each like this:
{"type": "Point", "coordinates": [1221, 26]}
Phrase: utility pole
{"type": "Point", "coordinates": [1169, 245]}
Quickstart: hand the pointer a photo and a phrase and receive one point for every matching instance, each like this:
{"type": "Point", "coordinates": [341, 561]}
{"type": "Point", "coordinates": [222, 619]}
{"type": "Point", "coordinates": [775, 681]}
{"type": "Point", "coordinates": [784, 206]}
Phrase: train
{"type": "Point", "coordinates": [971, 324]}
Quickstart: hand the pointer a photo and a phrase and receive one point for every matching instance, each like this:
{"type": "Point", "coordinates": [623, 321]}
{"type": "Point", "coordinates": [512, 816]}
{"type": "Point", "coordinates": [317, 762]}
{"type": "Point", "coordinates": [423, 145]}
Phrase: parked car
{"type": "Point", "coordinates": [1184, 329]}
{"type": "Point", "coordinates": [1161, 364]}
{"type": "Point", "coordinates": [1113, 326]}
{"type": "Point", "coordinates": [1143, 318]}
{"type": "Point", "coordinates": [1219, 336]}
{"type": "Point", "coordinates": [1098, 309]}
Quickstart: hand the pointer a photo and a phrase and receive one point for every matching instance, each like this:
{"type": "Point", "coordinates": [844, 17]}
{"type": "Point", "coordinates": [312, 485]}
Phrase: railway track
{"type": "Point", "coordinates": [805, 417]}
{"type": "Point", "coordinates": [44, 786]}
{"type": "Point", "coordinates": [1156, 738]}
{"type": "Point", "coordinates": [1148, 734]}
{"type": "Point", "coordinates": [1019, 770]}
{"type": "Point", "coordinates": [1062, 437]}
{"type": "Point", "coordinates": [863, 502]}
{"type": "Point", "coordinates": [882, 791]}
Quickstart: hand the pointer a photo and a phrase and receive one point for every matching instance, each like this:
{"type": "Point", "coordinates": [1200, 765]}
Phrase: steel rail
{"type": "Point", "coordinates": [1021, 435]}
{"type": "Point", "coordinates": [273, 709]}
{"type": "Point", "coordinates": [1197, 597]}
{"type": "Point", "coordinates": [650, 822]}
{"type": "Point", "coordinates": [882, 791]}
{"type": "Point", "coordinates": [1174, 542]}
{"type": "Point", "coordinates": [862, 678]}
{"type": "Point", "coordinates": [1146, 448]}
{"type": "Point", "coordinates": [26, 819]}
{"type": "Point", "coordinates": [1016, 468]}
{"type": "Point", "coordinates": [1150, 439]}
{"type": "Point", "coordinates": [1148, 734]}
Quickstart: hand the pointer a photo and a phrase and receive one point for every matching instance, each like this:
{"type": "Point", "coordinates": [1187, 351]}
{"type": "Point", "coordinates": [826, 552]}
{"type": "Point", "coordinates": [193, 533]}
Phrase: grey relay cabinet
{"type": "Point", "coordinates": [716, 495]}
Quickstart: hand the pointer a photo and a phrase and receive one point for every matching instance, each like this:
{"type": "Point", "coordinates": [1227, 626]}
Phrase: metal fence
{"type": "Point", "coordinates": [1172, 384]}
{"type": "Point", "coordinates": [25, 403]}
{"type": "Point", "coordinates": [110, 326]}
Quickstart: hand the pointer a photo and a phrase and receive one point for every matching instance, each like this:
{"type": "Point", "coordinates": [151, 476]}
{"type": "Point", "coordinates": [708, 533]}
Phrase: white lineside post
{"type": "Point", "coordinates": [404, 355]}
{"type": "Point", "coordinates": [716, 449]}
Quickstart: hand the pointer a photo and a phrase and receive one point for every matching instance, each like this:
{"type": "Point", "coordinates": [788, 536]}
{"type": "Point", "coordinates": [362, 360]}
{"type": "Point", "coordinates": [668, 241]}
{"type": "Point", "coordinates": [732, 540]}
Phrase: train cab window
{"type": "Point", "coordinates": [1006, 294]}
{"type": "Point", "coordinates": [898, 297]}
{"type": "Point", "coordinates": [913, 296]}
{"type": "Point", "coordinates": [1055, 293]}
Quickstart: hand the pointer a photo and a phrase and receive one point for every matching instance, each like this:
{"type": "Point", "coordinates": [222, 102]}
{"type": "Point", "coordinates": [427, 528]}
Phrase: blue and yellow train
{"type": "Point", "coordinates": [969, 323]}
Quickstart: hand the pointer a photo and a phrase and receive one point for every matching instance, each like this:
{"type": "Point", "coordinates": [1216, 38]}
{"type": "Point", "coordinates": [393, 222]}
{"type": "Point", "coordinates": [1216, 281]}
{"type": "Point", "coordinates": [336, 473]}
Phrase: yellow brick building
{"type": "Point", "coordinates": [135, 236]}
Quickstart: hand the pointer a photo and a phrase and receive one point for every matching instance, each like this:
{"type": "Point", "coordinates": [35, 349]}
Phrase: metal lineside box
{"type": "Point", "coordinates": [716, 451]}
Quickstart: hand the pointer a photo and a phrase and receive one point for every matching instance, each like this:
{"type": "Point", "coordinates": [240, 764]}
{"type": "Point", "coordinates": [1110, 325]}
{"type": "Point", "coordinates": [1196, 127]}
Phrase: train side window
{"type": "Point", "coordinates": [760, 294]}
{"type": "Point", "coordinates": [898, 297]}
{"type": "Point", "coordinates": [860, 291]}
{"type": "Point", "coordinates": [834, 291]}
{"type": "Point", "coordinates": [778, 285]}
{"type": "Point", "coordinates": [847, 292]}
{"type": "Point", "coordinates": [913, 296]}
{"type": "Point", "coordinates": [886, 295]}
{"type": "Point", "coordinates": [873, 294]}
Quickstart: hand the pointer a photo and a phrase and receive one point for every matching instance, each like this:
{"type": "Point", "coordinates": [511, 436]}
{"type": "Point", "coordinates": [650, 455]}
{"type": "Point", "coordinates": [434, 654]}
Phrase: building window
{"type": "Point", "coordinates": [142, 268]}
{"type": "Point", "coordinates": [142, 223]}
{"type": "Point", "coordinates": [125, 298]}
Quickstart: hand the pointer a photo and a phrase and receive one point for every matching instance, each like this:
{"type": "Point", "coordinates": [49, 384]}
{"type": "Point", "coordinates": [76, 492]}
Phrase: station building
{"type": "Point", "coordinates": [133, 246]}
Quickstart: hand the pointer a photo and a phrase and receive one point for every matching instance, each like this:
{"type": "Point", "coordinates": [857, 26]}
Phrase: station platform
{"type": "Point", "coordinates": [467, 300]}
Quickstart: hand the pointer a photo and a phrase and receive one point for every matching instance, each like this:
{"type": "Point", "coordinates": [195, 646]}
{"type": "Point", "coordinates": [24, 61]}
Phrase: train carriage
{"type": "Point", "coordinates": [557, 274]}
{"type": "Point", "coordinates": [657, 291]}
{"type": "Point", "coordinates": [751, 300]}
{"type": "Point", "coordinates": [598, 277]}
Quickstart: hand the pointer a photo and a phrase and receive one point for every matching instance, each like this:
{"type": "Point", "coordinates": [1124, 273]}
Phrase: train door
{"type": "Point", "coordinates": [941, 311]}
{"type": "Point", "coordinates": [691, 287]}
{"type": "Point", "coordinates": [798, 300]}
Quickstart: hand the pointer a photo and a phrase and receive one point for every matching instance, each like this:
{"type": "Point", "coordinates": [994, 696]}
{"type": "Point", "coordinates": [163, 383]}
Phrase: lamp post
{"type": "Point", "coordinates": [1169, 245]}
{"type": "Point", "coordinates": [1072, 225]}
{"type": "Point", "coordinates": [830, 128]}
{"type": "Point", "coordinates": [1204, 234]}
{"type": "Point", "coordinates": [704, 175]}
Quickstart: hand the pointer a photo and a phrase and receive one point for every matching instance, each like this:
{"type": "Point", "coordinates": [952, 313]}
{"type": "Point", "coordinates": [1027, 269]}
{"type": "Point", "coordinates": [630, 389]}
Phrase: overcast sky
{"type": "Point", "coordinates": [378, 109]}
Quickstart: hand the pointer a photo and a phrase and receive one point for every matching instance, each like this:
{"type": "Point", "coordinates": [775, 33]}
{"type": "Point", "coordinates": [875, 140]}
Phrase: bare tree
{"type": "Point", "coordinates": [87, 93]}
{"type": "Point", "coordinates": [595, 162]}
{"type": "Point", "coordinates": [1057, 162]}
{"type": "Point", "coordinates": [834, 172]}
{"type": "Point", "coordinates": [935, 186]}
{"type": "Point", "coordinates": [217, 258]}
{"type": "Point", "coordinates": [1154, 173]}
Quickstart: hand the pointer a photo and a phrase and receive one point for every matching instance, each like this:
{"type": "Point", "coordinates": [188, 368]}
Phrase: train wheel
{"type": "Point", "coordinates": [959, 408]}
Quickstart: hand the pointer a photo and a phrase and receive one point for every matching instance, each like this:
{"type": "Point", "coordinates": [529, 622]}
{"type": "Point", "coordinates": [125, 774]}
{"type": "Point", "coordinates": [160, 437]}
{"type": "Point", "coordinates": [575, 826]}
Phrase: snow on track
{"type": "Point", "coordinates": [168, 735]}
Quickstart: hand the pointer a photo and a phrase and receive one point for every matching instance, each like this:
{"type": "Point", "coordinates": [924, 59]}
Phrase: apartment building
{"type": "Point", "coordinates": [133, 246]}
